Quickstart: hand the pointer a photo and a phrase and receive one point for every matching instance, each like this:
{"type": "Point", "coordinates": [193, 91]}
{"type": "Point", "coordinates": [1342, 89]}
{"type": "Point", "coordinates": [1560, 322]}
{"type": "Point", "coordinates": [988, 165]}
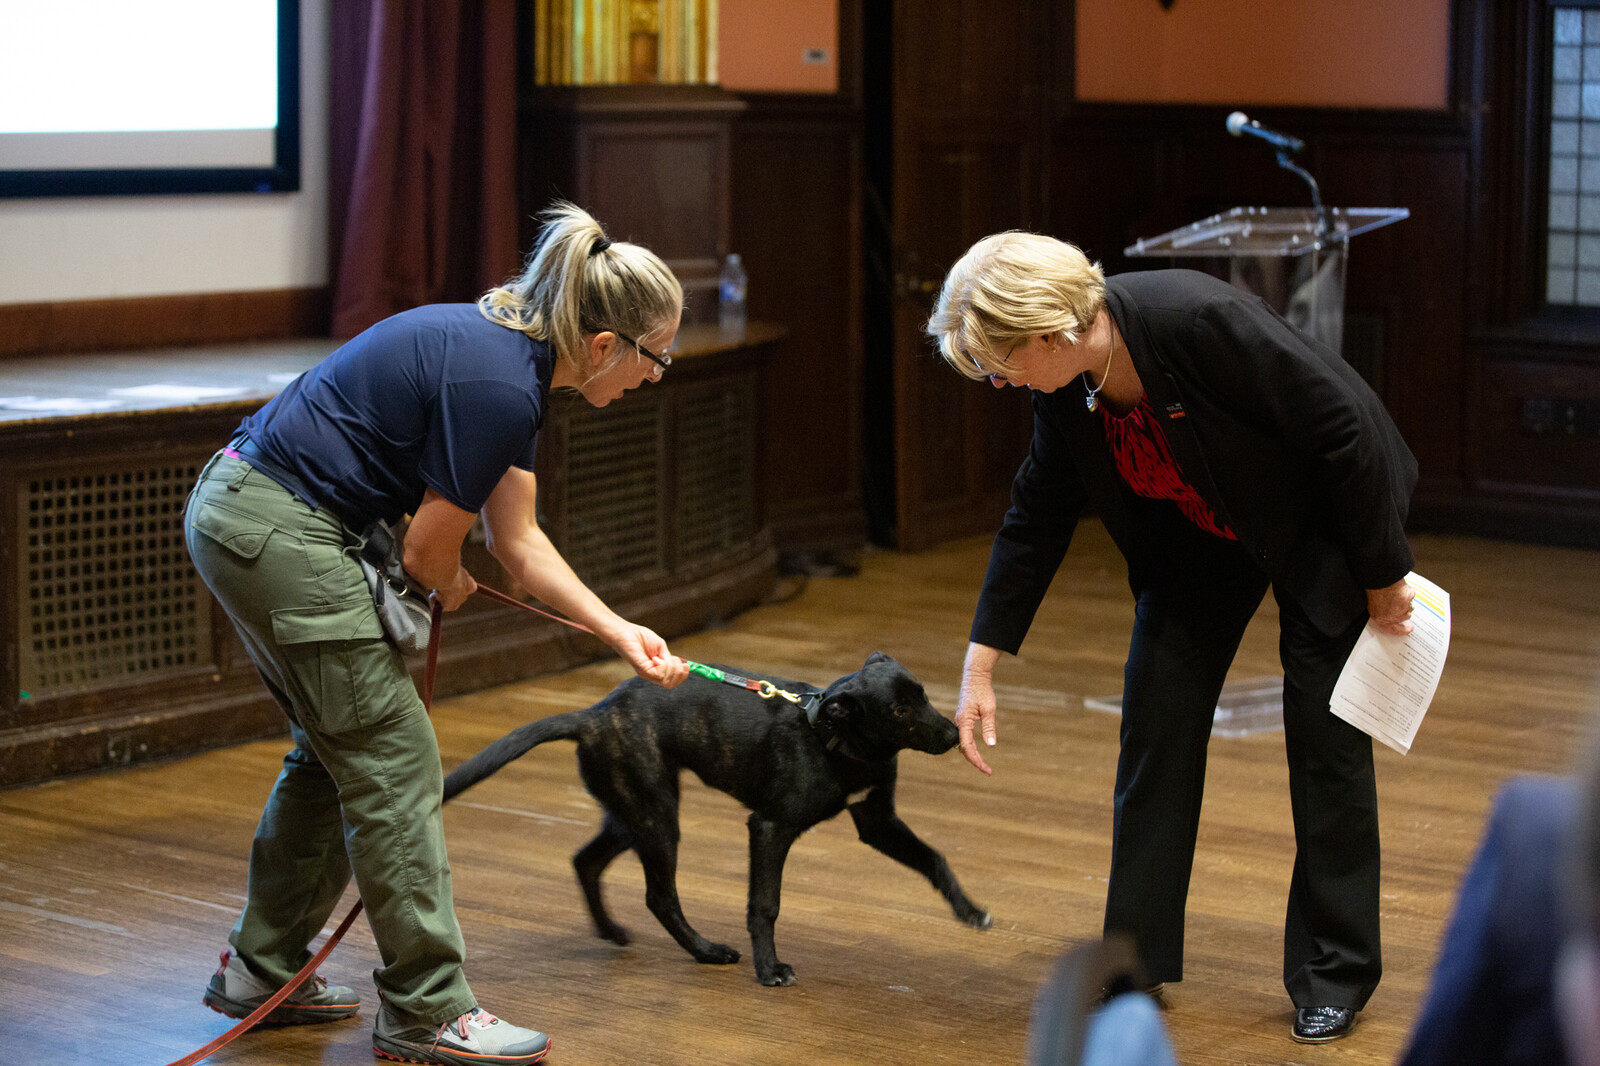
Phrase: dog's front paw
{"type": "Point", "coordinates": [718, 955]}
{"type": "Point", "coordinates": [780, 976]}
{"type": "Point", "coordinates": [978, 918]}
{"type": "Point", "coordinates": [612, 932]}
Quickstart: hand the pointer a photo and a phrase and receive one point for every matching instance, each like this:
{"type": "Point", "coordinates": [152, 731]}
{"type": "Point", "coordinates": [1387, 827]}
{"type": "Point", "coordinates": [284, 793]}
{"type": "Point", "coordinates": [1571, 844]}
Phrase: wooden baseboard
{"type": "Point", "coordinates": [162, 321]}
{"type": "Point", "coordinates": [32, 754]}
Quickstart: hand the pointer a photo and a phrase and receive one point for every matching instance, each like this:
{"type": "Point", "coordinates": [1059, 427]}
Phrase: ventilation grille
{"type": "Point", "coordinates": [715, 470]}
{"type": "Point", "coordinates": [615, 514]}
{"type": "Point", "coordinates": [108, 595]}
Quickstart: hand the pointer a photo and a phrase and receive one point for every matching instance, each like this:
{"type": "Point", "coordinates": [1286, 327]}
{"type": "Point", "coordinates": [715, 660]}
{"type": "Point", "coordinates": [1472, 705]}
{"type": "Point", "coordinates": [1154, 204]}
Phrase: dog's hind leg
{"type": "Point", "coordinates": [769, 848]}
{"type": "Point", "coordinates": [658, 853]}
{"type": "Point", "coordinates": [877, 824]}
{"type": "Point", "coordinates": [590, 862]}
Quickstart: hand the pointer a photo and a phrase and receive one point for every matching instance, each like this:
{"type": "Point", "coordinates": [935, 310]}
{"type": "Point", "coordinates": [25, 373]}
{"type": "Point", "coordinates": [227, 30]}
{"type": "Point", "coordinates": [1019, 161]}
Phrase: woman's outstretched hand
{"type": "Point", "coordinates": [976, 712]}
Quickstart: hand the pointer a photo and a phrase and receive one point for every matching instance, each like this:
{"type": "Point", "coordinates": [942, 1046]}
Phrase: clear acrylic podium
{"type": "Point", "coordinates": [1281, 254]}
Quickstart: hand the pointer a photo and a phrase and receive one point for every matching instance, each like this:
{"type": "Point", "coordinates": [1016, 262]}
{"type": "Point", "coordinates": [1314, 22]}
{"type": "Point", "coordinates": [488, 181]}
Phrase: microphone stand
{"type": "Point", "coordinates": [1316, 193]}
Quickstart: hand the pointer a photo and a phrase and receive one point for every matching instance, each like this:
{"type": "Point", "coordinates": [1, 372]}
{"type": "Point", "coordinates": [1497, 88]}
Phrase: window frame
{"type": "Point", "coordinates": [1515, 46]}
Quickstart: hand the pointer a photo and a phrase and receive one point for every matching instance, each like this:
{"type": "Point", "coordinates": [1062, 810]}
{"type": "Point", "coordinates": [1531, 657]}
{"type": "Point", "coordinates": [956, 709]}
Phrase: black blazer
{"type": "Point", "coordinates": [1279, 436]}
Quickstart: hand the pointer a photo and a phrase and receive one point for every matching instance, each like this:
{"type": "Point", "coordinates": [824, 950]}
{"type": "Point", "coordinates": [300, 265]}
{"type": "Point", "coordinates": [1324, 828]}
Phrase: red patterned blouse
{"type": "Point", "coordinates": [1144, 460]}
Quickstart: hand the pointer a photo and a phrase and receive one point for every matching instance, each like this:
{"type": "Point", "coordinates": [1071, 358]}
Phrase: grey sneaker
{"type": "Point", "coordinates": [236, 992]}
{"type": "Point", "coordinates": [475, 1038]}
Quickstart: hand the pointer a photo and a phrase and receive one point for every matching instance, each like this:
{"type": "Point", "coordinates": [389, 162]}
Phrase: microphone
{"type": "Point", "coordinates": [1239, 124]}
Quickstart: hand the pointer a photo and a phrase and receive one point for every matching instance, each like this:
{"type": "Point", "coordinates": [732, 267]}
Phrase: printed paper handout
{"type": "Point", "coordinates": [1388, 681]}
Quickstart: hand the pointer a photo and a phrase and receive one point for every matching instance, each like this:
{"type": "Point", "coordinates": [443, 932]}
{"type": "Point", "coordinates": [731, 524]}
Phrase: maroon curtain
{"type": "Point", "coordinates": [422, 154]}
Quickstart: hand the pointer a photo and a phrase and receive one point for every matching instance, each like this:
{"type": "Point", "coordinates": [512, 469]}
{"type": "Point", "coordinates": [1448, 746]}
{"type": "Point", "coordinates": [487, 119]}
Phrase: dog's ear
{"type": "Point", "coordinates": [878, 657]}
{"type": "Point", "coordinates": [841, 707]}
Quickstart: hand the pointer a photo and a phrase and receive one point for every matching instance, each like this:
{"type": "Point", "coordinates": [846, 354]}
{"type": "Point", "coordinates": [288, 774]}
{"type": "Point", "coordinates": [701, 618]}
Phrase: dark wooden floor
{"type": "Point", "coordinates": [116, 891]}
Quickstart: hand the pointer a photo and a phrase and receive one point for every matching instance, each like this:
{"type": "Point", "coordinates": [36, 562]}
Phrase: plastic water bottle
{"type": "Point", "coordinates": [731, 289]}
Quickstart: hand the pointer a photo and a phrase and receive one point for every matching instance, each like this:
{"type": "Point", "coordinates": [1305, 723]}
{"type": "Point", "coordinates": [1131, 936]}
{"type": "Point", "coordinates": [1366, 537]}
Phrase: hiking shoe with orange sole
{"type": "Point", "coordinates": [475, 1038]}
{"type": "Point", "coordinates": [237, 992]}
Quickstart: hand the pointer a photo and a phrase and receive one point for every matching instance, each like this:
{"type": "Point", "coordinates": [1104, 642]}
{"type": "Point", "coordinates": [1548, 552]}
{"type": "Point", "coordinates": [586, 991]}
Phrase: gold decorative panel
{"type": "Point", "coordinates": [625, 42]}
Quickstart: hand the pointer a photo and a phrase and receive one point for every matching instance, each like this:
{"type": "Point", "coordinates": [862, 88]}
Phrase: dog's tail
{"type": "Point", "coordinates": [509, 747]}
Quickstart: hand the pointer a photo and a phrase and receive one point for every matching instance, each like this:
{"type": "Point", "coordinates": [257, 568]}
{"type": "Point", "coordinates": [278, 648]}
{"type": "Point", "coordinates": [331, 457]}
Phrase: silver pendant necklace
{"type": "Point", "coordinates": [1092, 401]}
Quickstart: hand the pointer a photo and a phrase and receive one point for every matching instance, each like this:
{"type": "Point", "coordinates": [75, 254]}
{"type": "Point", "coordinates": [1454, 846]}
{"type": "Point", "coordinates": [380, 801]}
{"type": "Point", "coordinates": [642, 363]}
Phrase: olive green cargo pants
{"type": "Point", "coordinates": [361, 790]}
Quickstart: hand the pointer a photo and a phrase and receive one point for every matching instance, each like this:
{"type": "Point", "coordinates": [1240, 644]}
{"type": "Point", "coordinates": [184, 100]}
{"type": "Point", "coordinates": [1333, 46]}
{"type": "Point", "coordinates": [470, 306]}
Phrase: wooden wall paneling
{"type": "Point", "coordinates": [970, 139]}
{"type": "Point", "coordinates": [1542, 421]}
{"type": "Point", "coordinates": [676, 201]}
{"type": "Point", "coordinates": [162, 321]}
{"type": "Point", "coordinates": [650, 162]}
{"type": "Point", "coordinates": [1510, 59]}
{"type": "Point", "coordinates": [1413, 275]}
{"type": "Point", "coordinates": [797, 223]}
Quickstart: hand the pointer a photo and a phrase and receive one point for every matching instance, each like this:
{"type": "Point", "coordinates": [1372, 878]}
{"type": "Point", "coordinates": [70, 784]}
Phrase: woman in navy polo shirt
{"type": "Point", "coordinates": [1226, 453]}
{"type": "Point", "coordinates": [433, 413]}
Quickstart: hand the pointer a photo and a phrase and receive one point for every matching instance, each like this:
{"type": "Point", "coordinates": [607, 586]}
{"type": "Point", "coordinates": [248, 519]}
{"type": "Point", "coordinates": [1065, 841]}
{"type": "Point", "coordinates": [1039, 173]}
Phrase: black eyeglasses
{"type": "Point", "coordinates": [662, 359]}
{"type": "Point", "coordinates": [997, 378]}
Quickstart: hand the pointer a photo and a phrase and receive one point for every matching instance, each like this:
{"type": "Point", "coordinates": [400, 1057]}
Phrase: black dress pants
{"type": "Point", "coordinates": [1190, 615]}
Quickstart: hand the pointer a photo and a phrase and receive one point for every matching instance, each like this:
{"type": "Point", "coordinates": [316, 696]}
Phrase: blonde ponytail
{"type": "Point", "coordinates": [577, 281]}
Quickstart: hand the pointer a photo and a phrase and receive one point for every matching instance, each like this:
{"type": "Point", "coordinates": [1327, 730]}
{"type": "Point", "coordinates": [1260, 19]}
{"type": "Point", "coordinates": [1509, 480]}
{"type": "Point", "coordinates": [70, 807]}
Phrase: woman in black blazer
{"type": "Point", "coordinates": [1226, 453]}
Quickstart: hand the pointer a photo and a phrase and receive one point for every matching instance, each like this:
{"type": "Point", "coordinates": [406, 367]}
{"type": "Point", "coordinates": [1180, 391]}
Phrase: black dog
{"type": "Point", "coordinates": [793, 765]}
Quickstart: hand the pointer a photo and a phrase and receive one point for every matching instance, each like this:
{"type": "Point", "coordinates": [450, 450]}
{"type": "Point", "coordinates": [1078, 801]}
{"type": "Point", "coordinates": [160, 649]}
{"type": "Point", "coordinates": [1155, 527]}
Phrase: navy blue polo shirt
{"type": "Point", "coordinates": [437, 397]}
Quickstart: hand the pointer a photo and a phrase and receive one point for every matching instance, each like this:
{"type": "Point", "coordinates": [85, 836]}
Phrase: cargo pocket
{"type": "Point", "coordinates": [345, 671]}
{"type": "Point", "coordinates": [241, 534]}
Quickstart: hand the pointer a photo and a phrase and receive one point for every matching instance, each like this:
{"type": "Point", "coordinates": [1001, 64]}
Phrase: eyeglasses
{"type": "Point", "coordinates": [994, 378]}
{"type": "Point", "coordinates": [661, 359]}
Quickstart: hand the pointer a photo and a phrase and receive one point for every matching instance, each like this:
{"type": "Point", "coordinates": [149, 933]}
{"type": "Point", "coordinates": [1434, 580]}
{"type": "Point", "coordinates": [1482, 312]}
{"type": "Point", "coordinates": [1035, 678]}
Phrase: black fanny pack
{"type": "Point", "coordinates": [402, 606]}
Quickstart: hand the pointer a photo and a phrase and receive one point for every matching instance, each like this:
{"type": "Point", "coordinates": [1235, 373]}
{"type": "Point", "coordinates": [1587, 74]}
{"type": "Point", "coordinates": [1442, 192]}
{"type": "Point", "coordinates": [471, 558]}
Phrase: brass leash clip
{"type": "Point", "coordinates": [767, 690]}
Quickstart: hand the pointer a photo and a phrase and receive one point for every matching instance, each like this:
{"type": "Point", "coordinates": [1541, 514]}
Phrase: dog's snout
{"type": "Point", "coordinates": [941, 735]}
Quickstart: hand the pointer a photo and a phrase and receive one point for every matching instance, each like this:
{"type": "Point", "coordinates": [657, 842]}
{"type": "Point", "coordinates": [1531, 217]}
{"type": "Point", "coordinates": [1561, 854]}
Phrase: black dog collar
{"type": "Point", "coordinates": [832, 737]}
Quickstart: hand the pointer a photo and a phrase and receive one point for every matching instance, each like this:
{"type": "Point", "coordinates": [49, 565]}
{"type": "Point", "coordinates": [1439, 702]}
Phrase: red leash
{"type": "Point", "coordinates": [503, 598]}
{"type": "Point", "coordinates": [277, 997]}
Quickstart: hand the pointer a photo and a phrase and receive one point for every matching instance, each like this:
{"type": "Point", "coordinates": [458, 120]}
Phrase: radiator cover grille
{"type": "Point", "coordinates": [108, 595]}
{"type": "Point", "coordinates": [715, 469]}
{"type": "Point", "coordinates": [614, 509]}
{"type": "Point", "coordinates": [660, 481]}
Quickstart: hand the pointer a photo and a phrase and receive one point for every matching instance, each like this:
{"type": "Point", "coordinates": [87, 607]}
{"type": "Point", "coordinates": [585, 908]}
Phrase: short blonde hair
{"type": "Point", "coordinates": [577, 281]}
{"type": "Point", "coordinates": [1009, 287]}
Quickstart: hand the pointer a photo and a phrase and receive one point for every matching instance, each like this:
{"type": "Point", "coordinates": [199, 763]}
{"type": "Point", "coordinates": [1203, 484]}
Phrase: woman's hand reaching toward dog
{"type": "Point", "coordinates": [976, 713]}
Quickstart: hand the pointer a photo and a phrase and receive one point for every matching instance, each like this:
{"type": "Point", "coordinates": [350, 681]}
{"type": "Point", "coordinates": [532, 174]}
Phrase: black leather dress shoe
{"type": "Point", "coordinates": [1319, 1025]}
